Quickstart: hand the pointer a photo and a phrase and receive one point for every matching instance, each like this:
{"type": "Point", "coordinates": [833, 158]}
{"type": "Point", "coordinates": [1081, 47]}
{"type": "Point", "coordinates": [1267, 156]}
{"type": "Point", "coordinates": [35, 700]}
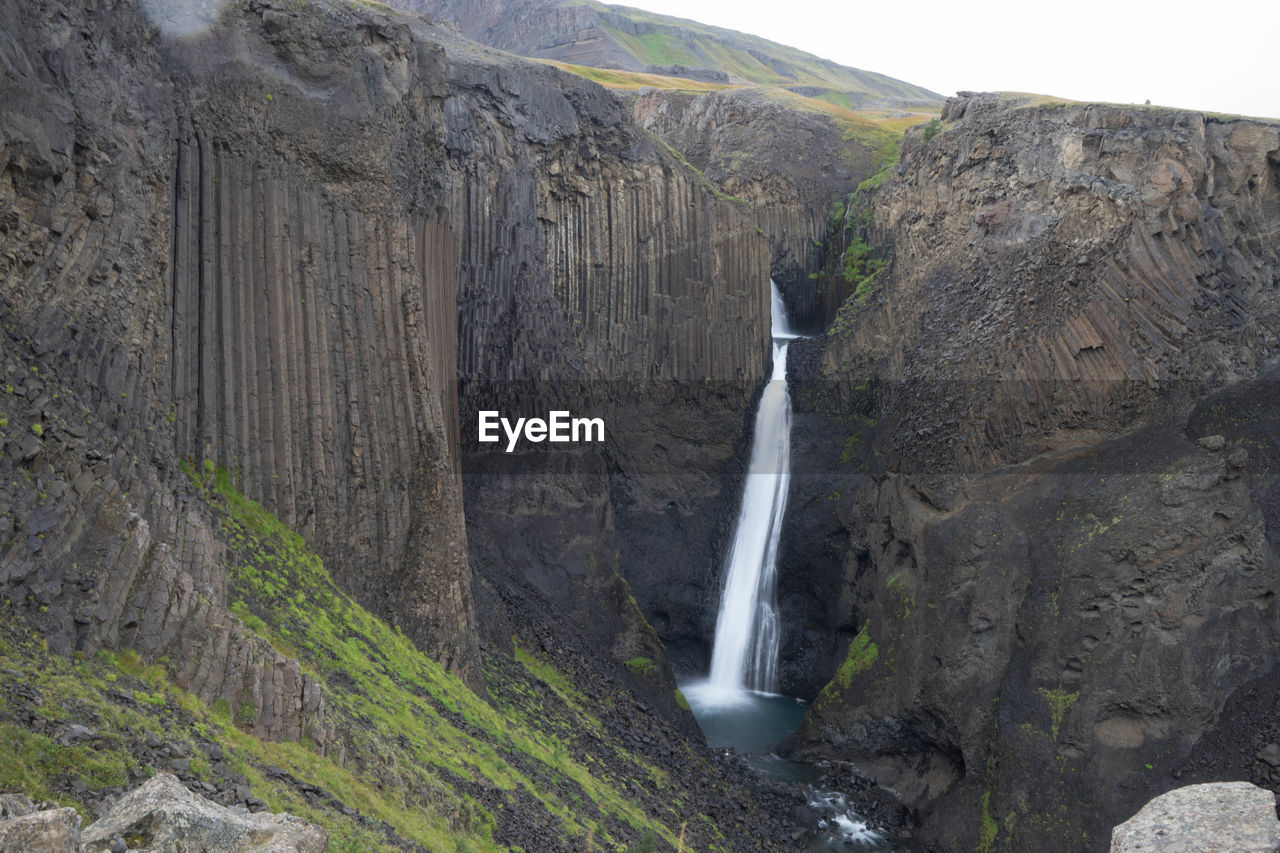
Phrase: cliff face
{"type": "Point", "coordinates": [599, 275]}
{"type": "Point", "coordinates": [787, 160]}
{"type": "Point", "coordinates": [1061, 558]}
{"type": "Point", "coordinates": [252, 256]}
{"type": "Point", "coordinates": [256, 244]}
{"type": "Point", "coordinates": [231, 245]}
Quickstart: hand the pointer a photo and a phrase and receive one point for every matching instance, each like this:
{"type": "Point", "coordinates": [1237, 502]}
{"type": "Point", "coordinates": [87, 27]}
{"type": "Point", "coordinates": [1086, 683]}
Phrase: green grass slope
{"type": "Point", "coordinates": [427, 764]}
{"type": "Point", "coordinates": [665, 40]}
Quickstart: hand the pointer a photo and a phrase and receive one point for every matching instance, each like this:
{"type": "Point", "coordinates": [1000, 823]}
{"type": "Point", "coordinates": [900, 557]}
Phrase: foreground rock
{"type": "Point", "coordinates": [1217, 816]}
{"type": "Point", "coordinates": [49, 831]}
{"type": "Point", "coordinates": [162, 816]}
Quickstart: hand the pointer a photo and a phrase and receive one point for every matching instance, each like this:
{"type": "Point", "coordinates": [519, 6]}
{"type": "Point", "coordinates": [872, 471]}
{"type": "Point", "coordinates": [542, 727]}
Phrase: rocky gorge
{"type": "Point", "coordinates": [264, 261]}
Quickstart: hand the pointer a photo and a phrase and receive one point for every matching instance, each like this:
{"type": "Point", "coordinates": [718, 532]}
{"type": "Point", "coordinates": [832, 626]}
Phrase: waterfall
{"type": "Point", "coordinates": [745, 656]}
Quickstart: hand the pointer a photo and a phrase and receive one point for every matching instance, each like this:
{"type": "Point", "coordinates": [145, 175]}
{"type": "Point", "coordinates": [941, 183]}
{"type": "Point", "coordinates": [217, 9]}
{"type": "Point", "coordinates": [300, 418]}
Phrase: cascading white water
{"type": "Point", "coordinates": [745, 654]}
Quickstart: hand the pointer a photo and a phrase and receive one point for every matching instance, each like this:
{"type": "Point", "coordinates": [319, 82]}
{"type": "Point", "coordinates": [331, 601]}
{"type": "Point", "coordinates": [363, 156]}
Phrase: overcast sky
{"type": "Point", "coordinates": [1221, 56]}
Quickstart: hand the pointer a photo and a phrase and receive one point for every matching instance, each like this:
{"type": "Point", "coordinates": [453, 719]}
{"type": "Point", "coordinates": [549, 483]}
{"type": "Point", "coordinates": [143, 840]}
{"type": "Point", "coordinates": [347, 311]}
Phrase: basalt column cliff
{"type": "Point", "coordinates": [1058, 533]}
{"type": "Point", "coordinates": [247, 252]}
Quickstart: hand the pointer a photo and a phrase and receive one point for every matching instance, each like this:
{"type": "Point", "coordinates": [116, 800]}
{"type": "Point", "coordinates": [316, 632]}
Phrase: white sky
{"type": "Point", "coordinates": [1213, 55]}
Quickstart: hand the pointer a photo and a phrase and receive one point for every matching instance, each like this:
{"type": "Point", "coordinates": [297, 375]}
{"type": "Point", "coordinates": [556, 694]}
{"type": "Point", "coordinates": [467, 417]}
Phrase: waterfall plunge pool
{"type": "Point", "coordinates": [751, 724]}
{"type": "Point", "coordinates": [734, 706]}
{"type": "Point", "coordinates": [743, 720]}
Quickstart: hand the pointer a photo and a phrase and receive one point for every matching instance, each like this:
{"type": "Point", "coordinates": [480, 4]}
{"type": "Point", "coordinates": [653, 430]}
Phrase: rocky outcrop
{"type": "Point", "coordinates": [162, 816]}
{"type": "Point", "coordinates": [1222, 816]}
{"type": "Point", "coordinates": [1056, 535]}
{"type": "Point", "coordinates": [1128, 258]}
{"type": "Point", "coordinates": [102, 554]}
{"type": "Point", "coordinates": [46, 831]}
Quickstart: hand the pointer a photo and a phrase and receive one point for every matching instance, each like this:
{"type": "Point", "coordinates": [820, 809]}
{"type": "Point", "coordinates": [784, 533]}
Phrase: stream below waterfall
{"type": "Point", "coordinates": [736, 706]}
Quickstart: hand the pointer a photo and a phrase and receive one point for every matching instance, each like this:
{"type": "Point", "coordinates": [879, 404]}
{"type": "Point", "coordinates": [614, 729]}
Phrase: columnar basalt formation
{"type": "Point", "coordinates": [599, 274]}
{"type": "Point", "coordinates": [270, 269]}
{"type": "Point", "coordinates": [256, 274]}
{"type": "Point", "coordinates": [786, 161]}
{"type": "Point", "coordinates": [1060, 554]}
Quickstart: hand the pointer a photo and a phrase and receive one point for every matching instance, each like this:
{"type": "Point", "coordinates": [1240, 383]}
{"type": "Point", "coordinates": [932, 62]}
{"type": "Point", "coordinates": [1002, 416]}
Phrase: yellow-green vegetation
{"type": "Point", "coordinates": [641, 666]}
{"type": "Point", "coordinates": [861, 656]}
{"type": "Point", "coordinates": [1059, 702]}
{"type": "Point", "coordinates": [416, 723]}
{"type": "Point", "coordinates": [418, 743]}
{"type": "Point", "coordinates": [549, 676]}
{"type": "Point", "coordinates": [682, 702]}
{"type": "Point", "coordinates": [879, 130]}
{"type": "Point", "coordinates": [123, 702]}
{"type": "Point", "coordinates": [861, 268]}
{"type": "Point", "coordinates": [666, 40]}
{"type": "Point", "coordinates": [702, 178]}
{"type": "Point", "coordinates": [853, 443]}
{"type": "Point", "coordinates": [613, 78]}
{"type": "Point", "coordinates": [988, 828]}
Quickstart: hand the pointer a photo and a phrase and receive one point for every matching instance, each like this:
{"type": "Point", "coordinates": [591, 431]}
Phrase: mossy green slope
{"type": "Point", "coordinates": [426, 764]}
{"type": "Point", "coordinates": [664, 40]}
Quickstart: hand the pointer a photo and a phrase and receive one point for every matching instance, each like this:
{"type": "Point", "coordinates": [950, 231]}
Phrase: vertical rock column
{"type": "Point", "coordinates": [313, 355]}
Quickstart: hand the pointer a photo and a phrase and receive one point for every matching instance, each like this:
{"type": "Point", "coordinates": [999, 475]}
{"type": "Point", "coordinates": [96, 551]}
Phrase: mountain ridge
{"type": "Point", "coordinates": [625, 38]}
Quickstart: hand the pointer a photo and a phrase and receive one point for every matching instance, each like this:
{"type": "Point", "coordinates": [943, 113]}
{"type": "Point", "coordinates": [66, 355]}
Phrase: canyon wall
{"type": "Point", "coordinates": [784, 159]}
{"type": "Point", "coordinates": [212, 255]}
{"type": "Point", "coordinates": [274, 238]}
{"type": "Point", "coordinates": [1057, 532]}
{"type": "Point", "coordinates": [599, 275]}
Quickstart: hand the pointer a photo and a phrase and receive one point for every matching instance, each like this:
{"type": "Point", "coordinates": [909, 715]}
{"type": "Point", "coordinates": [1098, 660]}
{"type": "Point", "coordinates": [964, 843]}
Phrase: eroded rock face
{"type": "Point", "coordinates": [1060, 534]}
{"type": "Point", "coordinates": [1216, 816]}
{"type": "Point", "coordinates": [228, 247]}
{"type": "Point", "coordinates": [598, 275]}
{"type": "Point", "coordinates": [256, 244]}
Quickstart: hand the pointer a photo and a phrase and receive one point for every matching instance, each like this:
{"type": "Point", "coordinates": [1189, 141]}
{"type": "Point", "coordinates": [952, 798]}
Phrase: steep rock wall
{"type": "Point", "coordinates": [232, 242]}
{"type": "Point", "coordinates": [600, 275]}
{"type": "Point", "coordinates": [784, 160]}
{"type": "Point", "coordinates": [1059, 571]}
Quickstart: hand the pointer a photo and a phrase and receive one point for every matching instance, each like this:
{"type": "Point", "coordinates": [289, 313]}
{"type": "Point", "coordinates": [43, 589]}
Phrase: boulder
{"type": "Point", "coordinates": [1234, 816]}
{"type": "Point", "coordinates": [162, 816]}
{"type": "Point", "coordinates": [49, 831]}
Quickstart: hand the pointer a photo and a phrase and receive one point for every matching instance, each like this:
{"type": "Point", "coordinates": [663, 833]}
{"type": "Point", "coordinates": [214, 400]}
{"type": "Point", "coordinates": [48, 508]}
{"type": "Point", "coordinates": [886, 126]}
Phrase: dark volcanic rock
{"type": "Point", "coordinates": [787, 160]}
{"type": "Point", "coordinates": [275, 243]}
{"type": "Point", "coordinates": [229, 247]}
{"type": "Point", "coordinates": [1062, 591]}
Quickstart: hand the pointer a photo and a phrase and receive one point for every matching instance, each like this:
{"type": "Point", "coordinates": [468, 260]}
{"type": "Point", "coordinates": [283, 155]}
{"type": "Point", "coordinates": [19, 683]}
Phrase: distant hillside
{"type": "Point", "coordinates": [594, 34]}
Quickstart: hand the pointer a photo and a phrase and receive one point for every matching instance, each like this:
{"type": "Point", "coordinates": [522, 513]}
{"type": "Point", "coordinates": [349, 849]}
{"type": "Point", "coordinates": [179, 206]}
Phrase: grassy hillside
{"type": "Point", "coordinates": [425, 764]}
{"type": "Point", "coordinates": [662, 40]}
{"type": "Point", "coordinates": [879, 129]}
